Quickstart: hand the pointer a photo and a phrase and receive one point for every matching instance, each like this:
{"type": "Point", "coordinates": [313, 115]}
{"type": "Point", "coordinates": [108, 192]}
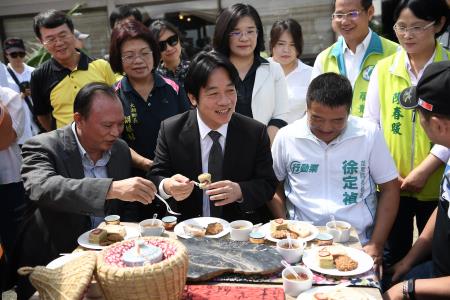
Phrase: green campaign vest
{"type": "Point", "coordinates": [332, 60]}
{"type": "Point", "coordinates": [406, 140]}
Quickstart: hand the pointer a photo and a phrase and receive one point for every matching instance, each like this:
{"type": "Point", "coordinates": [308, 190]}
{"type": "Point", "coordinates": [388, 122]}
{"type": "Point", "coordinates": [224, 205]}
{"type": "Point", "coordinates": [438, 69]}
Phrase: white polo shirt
{"type": "Point", "coordinates": [338, 178]}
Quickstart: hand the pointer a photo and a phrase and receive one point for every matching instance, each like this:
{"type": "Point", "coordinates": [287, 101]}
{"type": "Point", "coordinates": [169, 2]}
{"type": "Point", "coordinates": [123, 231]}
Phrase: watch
{"type": "Point", "coordinates": [411, 288]}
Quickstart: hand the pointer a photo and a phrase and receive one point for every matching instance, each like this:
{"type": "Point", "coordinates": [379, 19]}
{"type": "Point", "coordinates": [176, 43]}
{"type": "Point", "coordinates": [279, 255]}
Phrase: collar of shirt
{"type": "Point", "coordinates": [83, 63]}
{"type": "Point", "coordinates": [361, 48]}
{"type": "Point", "coordinates": [204, 129]}
{"type": "Point", "coordinates": [303, 131]}
{"type": "Point", "coordinates": [86, 160]}
{"type": "Point", "coordinates": [414, 79]}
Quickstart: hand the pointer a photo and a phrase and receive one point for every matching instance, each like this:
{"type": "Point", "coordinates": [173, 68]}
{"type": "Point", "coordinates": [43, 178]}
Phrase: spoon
{"type": "Point", "coordinates": [154, 218]}
{"type": "Point", "coordinates": [290, 268]}
{"type": "Point", "coordinates": [334, 221]}
{"type": "Point", "coordinates": [289, 240]}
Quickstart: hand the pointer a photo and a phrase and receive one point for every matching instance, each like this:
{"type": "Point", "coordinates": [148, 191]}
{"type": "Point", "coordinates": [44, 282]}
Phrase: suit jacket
{"type": "Point", "coordinates": [62, 200]}
{"type": "Point", "coordinates": [247, 161]}
{"type": "Point", "coordinates": [270, 95]}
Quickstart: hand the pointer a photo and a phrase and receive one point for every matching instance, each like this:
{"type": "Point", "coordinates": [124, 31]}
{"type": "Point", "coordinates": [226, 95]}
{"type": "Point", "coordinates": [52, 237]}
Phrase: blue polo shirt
{"type": "Point", "coordinates": [143, 117]}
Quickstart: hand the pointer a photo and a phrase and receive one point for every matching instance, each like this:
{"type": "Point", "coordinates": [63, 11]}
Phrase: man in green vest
{"type": "Point", "coordinates": [356, 51]}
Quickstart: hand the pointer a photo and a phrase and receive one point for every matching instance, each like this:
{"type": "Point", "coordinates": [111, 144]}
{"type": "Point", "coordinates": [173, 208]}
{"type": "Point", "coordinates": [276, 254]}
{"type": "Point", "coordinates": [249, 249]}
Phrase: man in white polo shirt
{"type": "Point", "coordinates": [331, 164]}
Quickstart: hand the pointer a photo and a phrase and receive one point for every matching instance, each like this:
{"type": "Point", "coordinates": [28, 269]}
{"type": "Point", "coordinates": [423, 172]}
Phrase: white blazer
{"type": "Point", "coordinates": [270, 96]}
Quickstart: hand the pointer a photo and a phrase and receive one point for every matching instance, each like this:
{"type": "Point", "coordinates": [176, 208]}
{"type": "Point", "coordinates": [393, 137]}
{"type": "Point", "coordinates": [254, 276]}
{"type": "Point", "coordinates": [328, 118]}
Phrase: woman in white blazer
{"type": "Point", "coordinates": [262, 89]}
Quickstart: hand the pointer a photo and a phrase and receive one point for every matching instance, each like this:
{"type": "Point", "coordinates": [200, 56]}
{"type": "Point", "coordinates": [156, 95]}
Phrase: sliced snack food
{"type": "Point", "coordinates": [325, 259]}
{"type": "Point", "coordinates": [278, 224]}
{"type": "Point", "coordinates": [194, 230]}
{"type": "Point", "coordinates": [345, 263]}
{"type": "Point", "coordinates": [336, 257]}
{"type": "Point", "coordinates": [115, 233]}
{"type": "Point", "coordinates": [204, 179]}
{"type": "Point", "coordinates": [98, 236]}
{"type": "Point", "coordinates": [341, 293]}
{"type": "Point", "coordinates": [214, 228]}
{"type": "Point", "coordinates": [300, 231]}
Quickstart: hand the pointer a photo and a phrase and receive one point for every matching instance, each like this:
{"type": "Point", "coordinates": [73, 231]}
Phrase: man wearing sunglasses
{"type": "Point", "coordinates": [19, 76]}
{"type": "Point", "coordinates": [431, 279]}
{"type": "Point", "coordinates": [356, 51]}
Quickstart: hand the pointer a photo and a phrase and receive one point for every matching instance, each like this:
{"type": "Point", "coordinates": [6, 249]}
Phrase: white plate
{"type": "Point", "coordinates": [365, 262]}
{"type": "Point", "coordinates": [308, 295]}
{"type": "Point", "coordinates": [56, 263]}
{"type": "Point", "coordinates": [312, 229]}
{"type": "Point", "coordinates": [202, 222]}
{"type": "Point", "coordinates": [83, 240]}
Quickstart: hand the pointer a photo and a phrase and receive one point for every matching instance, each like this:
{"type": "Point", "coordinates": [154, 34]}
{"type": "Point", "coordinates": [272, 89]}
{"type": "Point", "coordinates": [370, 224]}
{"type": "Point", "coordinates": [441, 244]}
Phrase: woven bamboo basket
{"type": "Point", "coordinates": [159, 281]}
{"type": "Point", "coordinates": [68, 281]}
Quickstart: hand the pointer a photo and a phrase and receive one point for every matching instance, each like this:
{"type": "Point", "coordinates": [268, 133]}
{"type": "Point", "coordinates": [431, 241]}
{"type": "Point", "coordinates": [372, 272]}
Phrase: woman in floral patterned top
{"type": "Point", "coordinates": [172, 64]}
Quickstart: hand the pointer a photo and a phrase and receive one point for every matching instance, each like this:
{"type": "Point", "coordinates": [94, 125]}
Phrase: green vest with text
{"type": "Point", "coordinates": [332, 60]}
{"type": "Point", "coordinates": [406, 139]}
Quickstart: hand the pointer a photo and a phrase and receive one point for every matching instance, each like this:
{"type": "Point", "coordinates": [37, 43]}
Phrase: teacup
{"type": "Point", "coordinates": [292, 286]}
{"type": "Point", "coordinates": [240, 230]}
{"type": "Point", "coordinates": [341, 233]}
{"type": "Point", "coordinates": [291, 255]}
{"type": "Point", "coordinates": [151, 227]}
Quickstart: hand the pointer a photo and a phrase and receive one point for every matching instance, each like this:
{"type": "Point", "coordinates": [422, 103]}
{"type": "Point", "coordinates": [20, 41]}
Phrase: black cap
{"type": "Point", "coordinates": [432, 90]}
{"type": "Point", "coordinates": [12, 45]}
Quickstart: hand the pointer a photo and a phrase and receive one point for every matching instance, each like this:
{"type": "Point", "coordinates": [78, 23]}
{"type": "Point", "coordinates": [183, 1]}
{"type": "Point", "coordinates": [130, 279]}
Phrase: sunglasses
{"type": "Point", "coordinates": [172, 42]}
{"type": "Point", "coordinates": [17, 54]}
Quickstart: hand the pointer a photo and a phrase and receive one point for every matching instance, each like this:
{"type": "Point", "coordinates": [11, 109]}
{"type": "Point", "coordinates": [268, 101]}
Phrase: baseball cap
{"type": "Point", "coordinates": [12, 45]}
{"type": "Point", "coordinates": [79, 35]}
{"type": "Point", "coordinates": [431, 92]}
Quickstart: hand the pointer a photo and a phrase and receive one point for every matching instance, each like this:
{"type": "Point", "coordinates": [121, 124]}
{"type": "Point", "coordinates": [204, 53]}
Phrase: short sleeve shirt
{"type": "Point", "coordinates": [54, 87]}
{"type": "Point", "coordinates": [143, 117]}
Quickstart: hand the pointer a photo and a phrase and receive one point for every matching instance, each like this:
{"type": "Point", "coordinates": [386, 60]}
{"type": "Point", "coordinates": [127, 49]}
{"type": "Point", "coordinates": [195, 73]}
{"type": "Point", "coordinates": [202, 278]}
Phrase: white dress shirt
{"type": "Point", "coordinates": [205, 146]}
{"type": "Point", "coordinates": [352, 60]}
{"type": "Point", "coordinates": [372, 107]}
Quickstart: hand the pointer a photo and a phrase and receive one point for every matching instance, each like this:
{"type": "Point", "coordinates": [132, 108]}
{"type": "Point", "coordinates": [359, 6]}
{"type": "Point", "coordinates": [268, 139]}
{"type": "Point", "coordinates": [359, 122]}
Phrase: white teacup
{"type": "Point", "coordinates": [240, 230]}
{"type": "Point", "coordinates": [293, 287]}
{"type": "Point", "coordinates": [291, 255]}
{"type": "Point", "coordinates": [151, 227]}
{"type": "Point", "coordinates": [341, 234]}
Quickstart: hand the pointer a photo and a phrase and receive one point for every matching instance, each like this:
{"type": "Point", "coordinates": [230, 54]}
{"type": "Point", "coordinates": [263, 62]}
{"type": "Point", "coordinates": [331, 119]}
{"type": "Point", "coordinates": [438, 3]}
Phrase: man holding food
{"type": "Point", "coordinates": [213, 139]}
{"type": "Point", "coordinates": [331, 164]}
{"type": "Point", "coordinates": [76, 175]}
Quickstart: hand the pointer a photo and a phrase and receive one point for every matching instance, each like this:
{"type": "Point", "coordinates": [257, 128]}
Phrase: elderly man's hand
{"type": "Point", "coordinates": [224, 192]}
{"type": "Point", "coordinates": [132, 189]}
{"type": "Point", "coordinates": [178, 186]}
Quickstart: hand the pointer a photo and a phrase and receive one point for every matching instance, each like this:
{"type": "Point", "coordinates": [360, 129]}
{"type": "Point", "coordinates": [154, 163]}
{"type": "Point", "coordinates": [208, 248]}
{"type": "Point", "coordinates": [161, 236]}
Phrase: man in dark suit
{"type": "Point", "coordinates": [75, 175]}
{"type": "Point", "coordinates": [214, 139]}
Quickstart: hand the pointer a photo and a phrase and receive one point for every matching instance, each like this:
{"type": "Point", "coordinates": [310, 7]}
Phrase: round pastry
{"type": "Point", "coordinates": [204, 179]}
{"type": "Point", "coordinates": [169, 222]}
{"type": "Point", "coordinates": [256, 237]}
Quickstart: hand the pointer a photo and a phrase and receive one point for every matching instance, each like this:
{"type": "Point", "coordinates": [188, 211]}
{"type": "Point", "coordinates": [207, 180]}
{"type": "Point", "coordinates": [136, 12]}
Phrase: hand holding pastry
{"type": "Point", "coordinates": [224, 192]}
{"type": "Point", "coordinates": [178, 186]}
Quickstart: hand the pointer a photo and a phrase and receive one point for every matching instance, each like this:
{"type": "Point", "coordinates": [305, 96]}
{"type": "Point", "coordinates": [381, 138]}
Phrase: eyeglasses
{"type": "Point", "coordinates": [413, 29]}
{"type": "Point", "coordinates": [354, 14]}
{"type": "Point", "coordinates": [130, 58]}
{"type": "Point", "coordinates": [17, 54]}
{"type": "Point", "coordinates": [171, 41]}
{"type": "Point", "coordinates": [60, 37]}
{"type": "Point", "coordinates": [252, 33]}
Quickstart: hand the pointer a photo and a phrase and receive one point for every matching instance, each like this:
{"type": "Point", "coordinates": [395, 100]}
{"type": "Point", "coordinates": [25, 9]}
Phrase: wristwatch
{"type": "Point", "coordinates": [411, 289]}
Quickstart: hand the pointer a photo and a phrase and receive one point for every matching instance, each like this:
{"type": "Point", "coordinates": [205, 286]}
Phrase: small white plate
{"type": "Point", "coordinates": [58, 262]}
{"type": "Point", "coordinates": [312, 229]}
{"type": "Point", "coordinates": [83, 240]}
{"type": "Point", "coordinates": [309, 294]}
{"type": "Point", "coordinates": [202, 222]}
{"type": "Point", "coordinates": [365, 262]}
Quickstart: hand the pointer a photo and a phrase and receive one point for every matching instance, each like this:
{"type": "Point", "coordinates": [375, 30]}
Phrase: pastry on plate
{"type": "Point", "coordinates": [214, 228]}
{"type": "Point", "coordinates": [341, 294]}
{"type": "Point", "coordinates": [325, 259]}
{"type": "Point", "coordinates": [345, 263]}
{"type": "Point", "coordinates": [194, 230]}
{"type": "Point", "coordinates": [98, 236]}
{"type": "Point", "coordinates": [301, 231]}
{"type": "Point", "coordinates": [204, 179]}
{"type": "Point", "coordinates": [278, 224]}
{"type": "Point", "coordinates": [115, 233]}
